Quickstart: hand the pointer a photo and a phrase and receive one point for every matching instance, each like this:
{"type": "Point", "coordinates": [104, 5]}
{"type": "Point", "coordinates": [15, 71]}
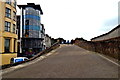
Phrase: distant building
{"type": "Point", "coordinates": [47, 41]}
{"type": "Point", "coordinates": [61, 40]}
{"type": "Point", "coordinates": [43, 36]}
{"type": "Point", "coordinates": [53, 41]}
{"type": "Point", "coordinates": [30, 38]}
{"type": "Point", "coordinates": [8, 31]}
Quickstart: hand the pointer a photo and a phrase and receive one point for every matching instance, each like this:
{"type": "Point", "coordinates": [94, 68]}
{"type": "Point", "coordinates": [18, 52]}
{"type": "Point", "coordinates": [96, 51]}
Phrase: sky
{"type": "Point", "coordinates": [70, 19]}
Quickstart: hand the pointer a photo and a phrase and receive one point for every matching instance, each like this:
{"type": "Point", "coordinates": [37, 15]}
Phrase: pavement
{"type": "Point", "coordinates": [67, 61]}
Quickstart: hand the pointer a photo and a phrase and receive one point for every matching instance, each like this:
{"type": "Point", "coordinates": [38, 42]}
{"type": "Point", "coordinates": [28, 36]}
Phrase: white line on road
{"type": "Point", "coordinates": [109, 60]}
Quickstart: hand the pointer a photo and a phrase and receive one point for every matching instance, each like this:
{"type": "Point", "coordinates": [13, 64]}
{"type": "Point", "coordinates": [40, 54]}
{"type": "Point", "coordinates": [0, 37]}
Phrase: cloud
{"type": "Point", "coordinates": [111, 22]}
{"type": "Point", "coordinates": [77, 18]}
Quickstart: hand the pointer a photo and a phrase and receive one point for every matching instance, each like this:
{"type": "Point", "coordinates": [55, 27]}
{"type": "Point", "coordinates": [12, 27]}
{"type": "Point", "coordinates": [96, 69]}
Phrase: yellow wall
{"type": "Point", "coordinates": [5, 57]}
{"type": "Point", "coordinates": [2, 13]}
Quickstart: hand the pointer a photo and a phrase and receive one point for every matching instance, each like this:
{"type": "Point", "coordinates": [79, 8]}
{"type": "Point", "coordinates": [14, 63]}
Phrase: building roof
{"type": "Point", "coordinates": [42, 26]}
{"type": "Point", "coordinates": [31, 5]}
{"type": "Point", "coordinates": [47, 35]}
{"type": "Point", "coordinates": [107, 33]}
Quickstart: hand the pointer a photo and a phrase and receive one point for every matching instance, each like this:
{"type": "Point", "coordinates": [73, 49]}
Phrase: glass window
{"type": "Point", "coordinates": [7, 45]}
{"type": "Point", "coordinates": [14, 28]}
{"type": "Point", "coordinates": [8, 12]}
{"type": "Point", "coordinates": [14, 3]}
{"type": "Point", "coordinates": [14, 45]}
{"type": "Point", "coordinates": [14, 15]}
{"type": "Point", "coordinates": [7, 26]}
{"type": "Point", "coordinates": [8, 2]}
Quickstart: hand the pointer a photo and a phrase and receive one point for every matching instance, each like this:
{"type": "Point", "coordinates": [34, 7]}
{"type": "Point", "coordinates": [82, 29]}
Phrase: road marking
{"type": "Point", "coordinates": [109, 60]}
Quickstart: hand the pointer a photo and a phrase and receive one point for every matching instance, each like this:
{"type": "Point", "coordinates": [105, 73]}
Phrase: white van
{"type": "Point", "coordinates": [18, 59]}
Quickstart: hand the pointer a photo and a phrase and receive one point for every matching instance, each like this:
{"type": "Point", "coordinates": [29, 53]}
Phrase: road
{"type": "Point", "coordinates": [68, 61]}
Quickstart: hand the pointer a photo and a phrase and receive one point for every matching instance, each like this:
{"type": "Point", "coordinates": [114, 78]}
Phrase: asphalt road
{"type": "Point", "coordinates": [69, 61]}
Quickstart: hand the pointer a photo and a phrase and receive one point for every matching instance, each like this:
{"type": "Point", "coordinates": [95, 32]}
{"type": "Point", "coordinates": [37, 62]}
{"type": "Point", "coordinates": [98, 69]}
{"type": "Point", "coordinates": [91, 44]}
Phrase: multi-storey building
{"type": "Point", "coordinates": [8, 33]}
{"type": "Point", "coordinates": [30, 41]}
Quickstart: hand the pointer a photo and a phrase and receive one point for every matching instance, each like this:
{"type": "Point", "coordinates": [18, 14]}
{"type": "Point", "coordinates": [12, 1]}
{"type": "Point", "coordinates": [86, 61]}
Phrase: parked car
{"type": "Point", "coordinates": [18, 59]}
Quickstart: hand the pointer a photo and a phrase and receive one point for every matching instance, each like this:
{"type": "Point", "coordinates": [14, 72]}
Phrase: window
{"type": "Point", "coordinates": [14, 16]}
{"type": "Point", "coordinates": [8, 2]}
{"type": "Point", "coordinates": [14, 3]}
{"type": "Point", "coordinates": [14, 28]}
{"type": "Point", "coordinates": [27, 22]}
{"type": "Point", "coordinates": [7, 45]}
{"type": "Point", "coordinates": [8, 12]}
{"type": "Point", "coordinates": [7, 26]}
{"type": "Point", "coordinates": [14, 45]}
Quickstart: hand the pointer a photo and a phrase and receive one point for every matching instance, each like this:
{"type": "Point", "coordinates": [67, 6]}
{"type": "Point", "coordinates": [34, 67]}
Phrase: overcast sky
{"type": "Point", "coordinates": [77, 18]}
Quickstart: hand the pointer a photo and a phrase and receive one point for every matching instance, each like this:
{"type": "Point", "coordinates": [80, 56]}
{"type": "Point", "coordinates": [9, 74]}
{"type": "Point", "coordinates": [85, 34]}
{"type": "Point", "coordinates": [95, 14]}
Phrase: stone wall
{"type": "Point", "coordinates": [109, 47]}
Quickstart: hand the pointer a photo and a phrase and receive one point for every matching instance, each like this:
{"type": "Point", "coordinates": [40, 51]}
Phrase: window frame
{"type": "Point", "coordinates": [15, 45]}
{"type": "Point", "coordinates": [7, 26]}
{"type": "Point", "coordinates": [14, 15]}
{"type": "Point", "coordinates": [8, 2]}
{"type": "Point", "coordinates": [5, 49]}
{"type": "Point", "coordinates": [8, 12]}
{"type": "Point", "coordinates": [14, 4]}
{"type": "Point", "coordinates": [14, 28]}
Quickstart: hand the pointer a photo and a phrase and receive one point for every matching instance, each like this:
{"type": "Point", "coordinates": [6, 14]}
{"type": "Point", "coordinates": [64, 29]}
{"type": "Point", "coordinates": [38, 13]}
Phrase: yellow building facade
{"type": "Point", "coordinates": [8, 31]}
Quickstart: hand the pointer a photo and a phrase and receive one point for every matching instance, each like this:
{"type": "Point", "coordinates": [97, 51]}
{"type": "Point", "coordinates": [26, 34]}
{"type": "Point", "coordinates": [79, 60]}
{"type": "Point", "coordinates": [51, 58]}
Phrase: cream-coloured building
{"type": "Point", "coordinates": [8, 31]}
{"type": "Point", "coordinates": [47, 41]}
